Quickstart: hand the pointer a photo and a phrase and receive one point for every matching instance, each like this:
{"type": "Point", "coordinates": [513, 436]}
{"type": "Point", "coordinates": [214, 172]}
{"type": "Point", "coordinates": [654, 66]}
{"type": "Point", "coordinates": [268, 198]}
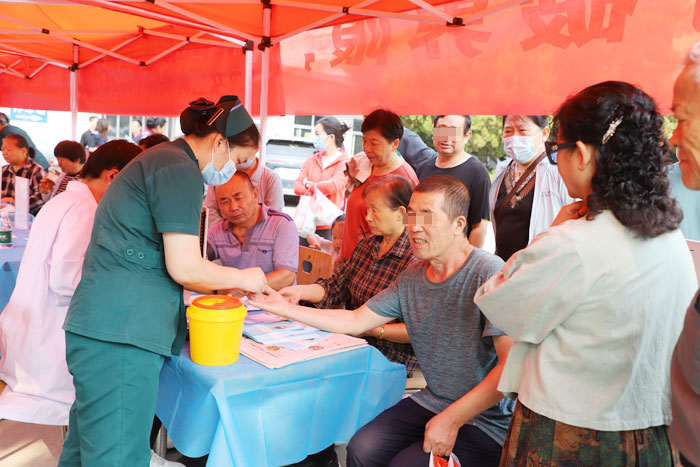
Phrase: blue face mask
{"type": "Point", "coordinates": [520, 148]}
{"type": "Point", "coordinates": [319, 144]}
{"type": "Point", "coordinates": [246, 164]}
{"type": "Point", "coordinates": [215, 177]}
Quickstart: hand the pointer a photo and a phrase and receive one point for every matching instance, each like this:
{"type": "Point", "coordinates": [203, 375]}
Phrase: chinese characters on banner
{"type": "Point", "coordinates": [562, 23]}
{"type": "Point", "coordinates": [554, 22]}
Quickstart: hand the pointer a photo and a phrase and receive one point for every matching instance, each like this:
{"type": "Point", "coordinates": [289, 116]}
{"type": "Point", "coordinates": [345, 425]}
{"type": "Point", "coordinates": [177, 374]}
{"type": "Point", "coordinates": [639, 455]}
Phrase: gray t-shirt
{"type": "Point", "coordinates": [449, 334]}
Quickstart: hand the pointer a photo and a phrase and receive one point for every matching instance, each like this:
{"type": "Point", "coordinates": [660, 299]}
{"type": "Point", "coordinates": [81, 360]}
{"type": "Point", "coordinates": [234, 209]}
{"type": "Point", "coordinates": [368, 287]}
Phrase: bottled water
{"type": "Point", "coordinates": [5, 231]}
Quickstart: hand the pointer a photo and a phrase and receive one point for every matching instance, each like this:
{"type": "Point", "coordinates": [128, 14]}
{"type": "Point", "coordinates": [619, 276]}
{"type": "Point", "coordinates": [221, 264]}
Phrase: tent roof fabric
{"type": "Point", "coordinates": [328, 56]}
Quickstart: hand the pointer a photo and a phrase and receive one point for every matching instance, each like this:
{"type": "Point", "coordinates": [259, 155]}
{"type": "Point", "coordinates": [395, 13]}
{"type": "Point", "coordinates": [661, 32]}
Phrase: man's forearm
{"type": "Point", "coordinates": [280, 278]}
{"type": "Point", "coordinates": [483, 396]}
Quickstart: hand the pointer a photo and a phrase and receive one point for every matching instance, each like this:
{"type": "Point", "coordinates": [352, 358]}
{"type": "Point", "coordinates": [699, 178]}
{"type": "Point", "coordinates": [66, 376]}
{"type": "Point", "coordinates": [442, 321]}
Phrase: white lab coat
{"type": "Point", "coordinates": [549, 197]}
{"type": "Point", "coordinates": [32, 340]}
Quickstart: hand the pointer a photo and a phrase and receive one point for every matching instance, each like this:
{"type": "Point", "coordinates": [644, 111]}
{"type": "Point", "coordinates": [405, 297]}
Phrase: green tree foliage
{"type": "Point", "coordinates": [670, 123]}
{"type": "Point", "coordinates": [487, 139]}
{"type": "Point", "coordinates": [422, 125]}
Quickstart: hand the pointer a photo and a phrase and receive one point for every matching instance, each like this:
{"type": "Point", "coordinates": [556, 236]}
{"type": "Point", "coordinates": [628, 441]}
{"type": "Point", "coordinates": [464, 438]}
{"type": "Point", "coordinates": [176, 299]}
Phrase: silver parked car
{"type": "Point", "coordinates": [285, 157]}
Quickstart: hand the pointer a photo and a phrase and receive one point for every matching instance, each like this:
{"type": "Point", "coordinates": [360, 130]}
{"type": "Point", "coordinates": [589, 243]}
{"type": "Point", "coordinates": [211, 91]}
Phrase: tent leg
{"type": "Point", "coordinates": [248, 98]}
{"type": "Point", "coordinates": [264, 82]}
{"type": "Point", "coordinates": [74, 95]}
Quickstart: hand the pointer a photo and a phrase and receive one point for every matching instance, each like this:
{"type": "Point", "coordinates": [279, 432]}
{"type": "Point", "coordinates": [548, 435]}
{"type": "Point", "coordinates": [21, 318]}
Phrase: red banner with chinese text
{"type": "Point", "coordinates": [524, 59]}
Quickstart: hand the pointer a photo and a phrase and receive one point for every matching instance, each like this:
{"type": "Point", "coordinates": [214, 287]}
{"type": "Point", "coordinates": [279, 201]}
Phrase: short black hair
{"type": "Point", "coordinates": [22, 143]}
{"type": "Point", "coordinates": [455, 194]}
{"type": "Point", "coordinates": [70, 150]}
{"type": "Point", "coordinates": [150, 141]}
{"type": "Point", "coordinates": [113, 154]}
{"type": "Point", "coordinates": [385, 122]}
{"type": "Point", "coordinates": [467, 122]}
{"type": "Point", "coordinates": [152, 122]}
{"type": "Point", "coordinates": [137, 120]}
{"type": "Point", "coordinates": [541, 121]}
{"type": "Point", "coordinates": [395, 189]}
{"type": "Point", "coordinates": [4, 119]}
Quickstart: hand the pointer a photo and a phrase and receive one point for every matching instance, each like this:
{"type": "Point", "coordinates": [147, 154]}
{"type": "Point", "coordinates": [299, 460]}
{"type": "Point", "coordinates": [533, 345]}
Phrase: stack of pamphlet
{"type": "Point", "coordinates": [276, 342]}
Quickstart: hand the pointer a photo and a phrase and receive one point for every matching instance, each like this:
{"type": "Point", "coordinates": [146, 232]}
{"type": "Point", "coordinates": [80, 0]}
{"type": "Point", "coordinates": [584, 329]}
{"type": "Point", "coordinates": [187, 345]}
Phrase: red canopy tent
{"type": "Point", "coordinates": [327, 56]}
{"type": "Point", "coordinates": [133, 57]}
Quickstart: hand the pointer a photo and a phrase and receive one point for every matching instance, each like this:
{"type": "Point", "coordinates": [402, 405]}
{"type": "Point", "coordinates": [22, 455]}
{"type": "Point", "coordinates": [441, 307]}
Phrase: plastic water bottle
{"type": "Point", "coordinates": [5, 231]}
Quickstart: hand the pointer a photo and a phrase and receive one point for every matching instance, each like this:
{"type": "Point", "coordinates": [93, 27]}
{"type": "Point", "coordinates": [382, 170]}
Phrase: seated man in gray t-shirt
{"type": "Point", "coordinates": [460, 352]}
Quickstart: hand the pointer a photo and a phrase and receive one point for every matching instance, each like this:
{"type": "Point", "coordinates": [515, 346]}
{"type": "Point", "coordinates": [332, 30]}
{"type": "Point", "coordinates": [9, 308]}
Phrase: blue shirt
{"type": "Point", "coordinates": [689, 201]}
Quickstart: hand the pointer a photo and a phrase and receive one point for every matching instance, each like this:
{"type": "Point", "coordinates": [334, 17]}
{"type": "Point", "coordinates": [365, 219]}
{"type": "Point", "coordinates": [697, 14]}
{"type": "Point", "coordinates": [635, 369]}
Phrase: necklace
{"type": "Point", "coordinates": [524, 188]}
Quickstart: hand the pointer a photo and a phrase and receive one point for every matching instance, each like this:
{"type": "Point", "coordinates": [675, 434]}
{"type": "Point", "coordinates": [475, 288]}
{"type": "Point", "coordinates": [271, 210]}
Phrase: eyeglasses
{"type": "Point", "coordinates": [552, 148]}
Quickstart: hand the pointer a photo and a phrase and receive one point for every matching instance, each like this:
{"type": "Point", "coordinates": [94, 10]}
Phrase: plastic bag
{"type": "Point", "coordinates": [304, 217]}
{"type": "Point", "coordinates": [325, 210]}
{"type": "Point", "coordinates": [440, 462]}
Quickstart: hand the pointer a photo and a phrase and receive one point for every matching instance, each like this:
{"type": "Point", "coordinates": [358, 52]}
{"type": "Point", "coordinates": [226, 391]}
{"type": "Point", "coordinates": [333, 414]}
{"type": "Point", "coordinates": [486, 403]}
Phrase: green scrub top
{"type": "Point", "coordinates": [125, 294]}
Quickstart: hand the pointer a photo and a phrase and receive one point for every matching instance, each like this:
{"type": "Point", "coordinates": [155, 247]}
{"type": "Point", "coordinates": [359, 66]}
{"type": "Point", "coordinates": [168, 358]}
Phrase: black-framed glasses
{"type": "Point", "coordinates": [552, 148]}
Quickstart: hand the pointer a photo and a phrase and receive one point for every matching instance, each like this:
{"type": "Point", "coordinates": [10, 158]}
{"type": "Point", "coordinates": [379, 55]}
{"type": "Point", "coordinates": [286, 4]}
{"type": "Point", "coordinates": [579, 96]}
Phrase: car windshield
{"type": "Point", "coordinates": [289, 150]}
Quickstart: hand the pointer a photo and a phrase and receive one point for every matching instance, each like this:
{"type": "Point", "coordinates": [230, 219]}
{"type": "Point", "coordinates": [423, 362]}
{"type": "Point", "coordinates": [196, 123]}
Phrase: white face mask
{"type": "Point", "coordinates": [520, 148]}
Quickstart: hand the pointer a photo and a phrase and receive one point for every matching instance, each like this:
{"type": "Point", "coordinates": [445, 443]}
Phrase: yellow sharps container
{"type": "Point", "coordinates": [216, 326]}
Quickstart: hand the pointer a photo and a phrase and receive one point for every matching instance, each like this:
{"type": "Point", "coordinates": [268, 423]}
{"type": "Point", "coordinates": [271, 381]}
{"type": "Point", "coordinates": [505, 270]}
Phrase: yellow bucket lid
{"type": "Point", "coordinates": [217, 308]}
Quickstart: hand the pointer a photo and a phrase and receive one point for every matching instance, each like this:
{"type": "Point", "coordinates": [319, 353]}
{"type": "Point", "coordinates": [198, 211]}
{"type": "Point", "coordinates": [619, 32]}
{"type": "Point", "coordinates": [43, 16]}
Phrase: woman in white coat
{"type": "Point", "coordinates": [527, 191]}
{"type": "Point", "coordinates": [32, 341]}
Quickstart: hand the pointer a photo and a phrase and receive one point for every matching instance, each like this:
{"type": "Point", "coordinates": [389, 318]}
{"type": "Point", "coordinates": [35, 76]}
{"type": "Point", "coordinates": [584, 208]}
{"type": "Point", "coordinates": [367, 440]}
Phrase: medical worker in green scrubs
{"type": "Point", "coordinates": [127, 313]}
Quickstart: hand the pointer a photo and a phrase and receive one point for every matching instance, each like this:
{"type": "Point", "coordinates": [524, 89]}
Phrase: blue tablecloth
{"type": "Point", "coordinates": [248, 415]}
{"type": "Point", "coordinates": [9, 264]}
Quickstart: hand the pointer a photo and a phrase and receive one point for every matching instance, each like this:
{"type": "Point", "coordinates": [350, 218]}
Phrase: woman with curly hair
{"type": "Point", "coordinates": [595, 303]}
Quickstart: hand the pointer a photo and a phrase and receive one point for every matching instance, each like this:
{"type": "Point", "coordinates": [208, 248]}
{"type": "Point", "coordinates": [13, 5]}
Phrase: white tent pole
{"type": "Point", "coordinates": [36, 72]}
{"type": "Point", "coordinates": [74, 94]}
{"type": "Point", "coordinates": [20, 51]}
{"type": "Point", "coordinates": [320, 22]}
{"type": "Point", "coordinates": [50, 33]}
{"type": "Point", "coordinates": [265, 78]}
{"type": "Point", "coordinates": [10, 70]}
{"type": "Point", "coordinates": [248, 98]}
{"type": "Point", "coordinates": [173, 48]}
{"type": "Point", "coordinates": [232, 43]}
{"type": "Point", "coordinates": [114, 49]}
{"type": "Point", "coordinates": [202, 19]}
{"type": "Point", "coordinates": [149, 14]}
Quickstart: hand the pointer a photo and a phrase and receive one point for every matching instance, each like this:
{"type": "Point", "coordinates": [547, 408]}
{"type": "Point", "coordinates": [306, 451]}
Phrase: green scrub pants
{"type": "Point", "coordinates": [116, 386]}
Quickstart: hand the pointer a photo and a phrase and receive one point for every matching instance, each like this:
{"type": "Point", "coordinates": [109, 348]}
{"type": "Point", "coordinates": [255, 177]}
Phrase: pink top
{"type": "Point", "coordinates": [331, 181]}
{"type": "Point", "coordinates": [356, 227]}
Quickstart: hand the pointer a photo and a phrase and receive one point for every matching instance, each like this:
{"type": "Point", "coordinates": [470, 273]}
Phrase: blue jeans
{"type": "Point", "coordinates": [395, 438]}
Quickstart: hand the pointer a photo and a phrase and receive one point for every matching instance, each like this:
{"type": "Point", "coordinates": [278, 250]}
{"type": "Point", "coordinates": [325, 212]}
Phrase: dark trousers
{"type": "Point", "coordinates": [395, 438]}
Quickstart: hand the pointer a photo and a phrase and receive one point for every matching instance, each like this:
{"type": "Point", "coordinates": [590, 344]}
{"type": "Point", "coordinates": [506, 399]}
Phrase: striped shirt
{"type": "Point", "coordinates": [363, 276]}
{"type": "Point", "coordinates": [271, 244]}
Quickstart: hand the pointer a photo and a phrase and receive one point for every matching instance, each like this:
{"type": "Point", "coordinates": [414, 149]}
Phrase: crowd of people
{"type": "Point", "coordinates": [576, 343]}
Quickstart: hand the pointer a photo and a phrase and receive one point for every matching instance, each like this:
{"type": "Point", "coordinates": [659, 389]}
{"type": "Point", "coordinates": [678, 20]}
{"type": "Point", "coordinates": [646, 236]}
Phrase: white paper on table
{"type": "Point", "coordinates": [22, 202]}
{"type": "Point", "coordinates": [695, 254]}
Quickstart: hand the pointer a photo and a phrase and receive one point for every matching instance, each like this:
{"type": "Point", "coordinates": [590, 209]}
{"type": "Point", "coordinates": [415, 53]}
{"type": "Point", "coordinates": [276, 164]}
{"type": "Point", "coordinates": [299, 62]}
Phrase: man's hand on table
{"type": "Point", "coordinates": [271, 301]}
{"type": "Point", "coordinates": [441, 434]}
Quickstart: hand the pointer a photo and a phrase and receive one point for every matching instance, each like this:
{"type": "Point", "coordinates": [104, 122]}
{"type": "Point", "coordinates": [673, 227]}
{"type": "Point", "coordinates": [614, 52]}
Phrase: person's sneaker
{"type": "Point", "coordinates": [157, 461]}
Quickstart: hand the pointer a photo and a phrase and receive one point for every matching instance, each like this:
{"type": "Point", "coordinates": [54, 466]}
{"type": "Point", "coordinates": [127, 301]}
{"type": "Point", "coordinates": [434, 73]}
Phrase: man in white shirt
{"type": "Point", "coordinates": [685, 366]}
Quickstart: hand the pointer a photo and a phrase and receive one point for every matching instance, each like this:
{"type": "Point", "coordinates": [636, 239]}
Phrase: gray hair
{"type": "Point", "coordinates": [693, 58]}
